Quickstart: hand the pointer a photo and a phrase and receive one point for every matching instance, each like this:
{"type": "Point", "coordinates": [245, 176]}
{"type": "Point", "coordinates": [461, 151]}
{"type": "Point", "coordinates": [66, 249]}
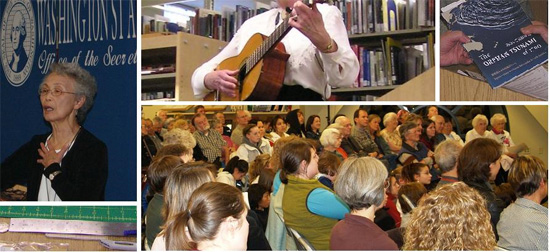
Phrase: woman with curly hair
{"type": "Point", "coordinates": [452, 217]}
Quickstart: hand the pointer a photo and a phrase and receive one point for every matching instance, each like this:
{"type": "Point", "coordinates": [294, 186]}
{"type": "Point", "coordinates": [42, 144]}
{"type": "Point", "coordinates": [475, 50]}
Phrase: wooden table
{"type": "Point", "coordinates": [74, 245]}
{"type": "Point", "coordinates": [455, 87]}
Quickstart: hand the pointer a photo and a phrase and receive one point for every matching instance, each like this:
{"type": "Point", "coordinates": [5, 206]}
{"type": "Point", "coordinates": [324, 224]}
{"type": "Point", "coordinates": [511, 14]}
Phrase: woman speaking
{"type": "Point", "coordinates": [69, 163]}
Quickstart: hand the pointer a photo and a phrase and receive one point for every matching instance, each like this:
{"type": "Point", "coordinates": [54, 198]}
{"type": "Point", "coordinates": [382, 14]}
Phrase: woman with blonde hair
{"type": "Point", "coordinates": [452, 217]}
{"type": "Point", "coordinates": [260, 162]}
{"type": "Point", "coordinates": [214, 219]}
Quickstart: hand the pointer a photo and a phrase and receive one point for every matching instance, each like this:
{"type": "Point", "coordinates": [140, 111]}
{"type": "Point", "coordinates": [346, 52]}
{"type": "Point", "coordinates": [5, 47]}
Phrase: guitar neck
{"type": "Point", "coordinates": [275, 37]}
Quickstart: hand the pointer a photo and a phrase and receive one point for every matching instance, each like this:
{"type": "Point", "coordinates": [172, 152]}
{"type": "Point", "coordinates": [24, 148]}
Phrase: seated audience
{"type": "Point", "coordinates": [328, 168]}
{"type": "Point", "coordinates": [208, 139]}
{"type": "Point", "coordinates": [234, 171]}
{"type": "Point", "coordinates": [295, 120]}
{"type": "Point", "coordinates": [417, 172]}
{"type": "Point", "coordinates": [259, 198]}
{"type": "Point", "coordinates": [178, 150]}
{"type": "Point", "coordinates": [409, 194]}
{"type": "Point", "coordinates": [452, 217]}
{"type": "Point", "coordinates": [253, 144]}
{"type": "Point", "coordinates": [261, 162]}
{"type": "Point", "coordinates": [413, 151]}
{"type": "Point", "coordinates": [428, 134]}
{"type": "Point", "coordinates": [361, 184]}
{"type": "Point", "coordinates": [309, 207]}
{"type": "Point", "coordinates": [180, 184]}
{"type": "Point", "coordinates": [523, 225]}
{"type": "Point", "coordinates": [157, 174]}
{"type": "Point", "coordinates": [446, 156]}
{"type": "Point", "coordinates": [390, 132]}
{"type": "Point", "coordinates": [480, 128]}
{"type": "Point", "coordinates": [279, 126]}
{"type": "Point", "coordinates": [313, 127]}
{"type": "Point", "coordinates": [215, 219]}
{"type": "Point", "coordinates": [331, 139]}
{"type": "Point", "coordinates": [478, 164]}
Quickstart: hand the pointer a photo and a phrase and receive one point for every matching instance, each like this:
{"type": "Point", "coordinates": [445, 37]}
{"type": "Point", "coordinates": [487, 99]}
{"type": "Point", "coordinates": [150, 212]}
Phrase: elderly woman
{"type": "Point", "coordinates": [309, 207]}
{"type": "Point", "coordinates": [452, 217]}
{"type": "Point", "coordinates": [253, 144]}
{"type": "Point", "coordinates": [180, 136]}
{"type": "Point", "coordinates": [69, 163]}
{"type": "Point", "coordinates": [362, 184]}
{"type": "Point", "coordinates": [480, 128]}
{"type": "Point", "coordinates": [331, 140]}
{"type": "Point", "coordinates": [478, 164]}
{"type": "Point", "coordinates": [498, 123]}
{"type": "Point", "coordinates": [412, 150]}
{"type": "Point", "coordinates": [390, 133]}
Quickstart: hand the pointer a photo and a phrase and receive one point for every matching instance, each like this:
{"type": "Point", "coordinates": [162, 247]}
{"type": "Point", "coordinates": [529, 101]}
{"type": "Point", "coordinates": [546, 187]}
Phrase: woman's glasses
{"type": "Point", "coordinates": [55, 92]}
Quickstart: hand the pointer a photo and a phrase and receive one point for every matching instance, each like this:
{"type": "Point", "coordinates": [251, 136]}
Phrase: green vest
{"type": "Point", "coordinates": [314, 228]}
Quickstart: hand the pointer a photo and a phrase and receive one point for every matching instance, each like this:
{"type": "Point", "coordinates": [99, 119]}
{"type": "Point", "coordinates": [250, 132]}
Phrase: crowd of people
{"type": "Point", "coordinates": [413, 185]}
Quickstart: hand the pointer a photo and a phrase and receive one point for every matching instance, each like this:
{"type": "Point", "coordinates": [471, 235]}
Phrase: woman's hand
{"type": "Point", "coordinates": [50, 156]}
{"type": "Point", "coordinates": [223, 81]}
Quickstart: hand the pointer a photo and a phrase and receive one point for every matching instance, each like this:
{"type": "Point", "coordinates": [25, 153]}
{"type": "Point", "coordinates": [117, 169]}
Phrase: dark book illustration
{"type": "Point", "coordinates": [497, 46]}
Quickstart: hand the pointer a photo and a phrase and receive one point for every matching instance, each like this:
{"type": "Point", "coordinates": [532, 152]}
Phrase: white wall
{"type": "Point", "coordinates": [525, 128]}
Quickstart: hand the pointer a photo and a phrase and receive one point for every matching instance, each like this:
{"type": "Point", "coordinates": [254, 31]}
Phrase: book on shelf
{"type": "Point", "coordinates": [392, 63]}
{"type": "Point", "coordinates": [370, 16]}
{"type": "Point", "coordinates": [501, 52]}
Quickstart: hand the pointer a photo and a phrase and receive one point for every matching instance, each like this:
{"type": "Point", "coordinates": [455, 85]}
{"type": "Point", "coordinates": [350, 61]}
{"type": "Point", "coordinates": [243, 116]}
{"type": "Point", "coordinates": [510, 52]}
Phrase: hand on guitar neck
{"type": "Point", "coordinates": [255, 81]}
{"type": "Point", "coordinates": [309, 21]}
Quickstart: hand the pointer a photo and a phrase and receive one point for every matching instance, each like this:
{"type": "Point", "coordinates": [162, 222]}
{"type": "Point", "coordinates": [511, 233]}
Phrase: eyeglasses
{"type": "Point", "coordinates": [55, 92]}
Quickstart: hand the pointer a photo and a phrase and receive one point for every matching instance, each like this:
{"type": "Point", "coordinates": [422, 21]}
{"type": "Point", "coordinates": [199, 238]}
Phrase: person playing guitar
{"type": "Point", "coordinates": [319, 49]}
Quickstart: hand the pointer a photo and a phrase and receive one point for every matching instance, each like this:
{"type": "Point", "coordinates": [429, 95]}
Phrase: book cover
{"type": "Point", "coordinates": [497, 45]}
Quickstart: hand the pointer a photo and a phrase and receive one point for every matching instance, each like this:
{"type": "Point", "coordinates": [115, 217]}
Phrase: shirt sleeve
{"type": "Point", "coordinates": [341, 67]}
{"type": "Point", "coordinates": [197, 80]}
{"type": "Point", "coordinates": [325, 203]}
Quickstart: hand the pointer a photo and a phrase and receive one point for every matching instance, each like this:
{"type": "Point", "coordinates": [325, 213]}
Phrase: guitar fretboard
{"type": "Point", "coordinates": [268, 44]}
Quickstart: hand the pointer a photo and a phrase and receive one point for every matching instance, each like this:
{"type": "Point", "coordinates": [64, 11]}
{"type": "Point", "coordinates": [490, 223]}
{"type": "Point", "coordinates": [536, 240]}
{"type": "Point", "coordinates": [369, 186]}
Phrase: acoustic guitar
{"type": "Point", "coordinates": [261, 64]}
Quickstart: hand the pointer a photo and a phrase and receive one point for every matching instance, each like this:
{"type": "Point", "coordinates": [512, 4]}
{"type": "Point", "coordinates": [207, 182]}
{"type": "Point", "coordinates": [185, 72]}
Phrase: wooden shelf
{"type": "Point", "coordinates": [399, 34]}
{"type": "Point", "coordinates": [376, 91]}
{"type": "Point", "coordinates": [158, 76]}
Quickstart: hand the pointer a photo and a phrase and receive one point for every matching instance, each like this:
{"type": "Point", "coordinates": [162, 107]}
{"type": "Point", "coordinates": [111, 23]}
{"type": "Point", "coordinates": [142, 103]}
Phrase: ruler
{"type": "Point", "coordinates": [89, 213]}
{"type": "Point", "coordinates": [70, 226]}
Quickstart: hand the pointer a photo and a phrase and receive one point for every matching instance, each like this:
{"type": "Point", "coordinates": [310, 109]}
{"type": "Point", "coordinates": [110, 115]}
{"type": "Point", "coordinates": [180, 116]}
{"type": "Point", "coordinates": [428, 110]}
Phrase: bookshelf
{"type": "Point", "coordinates": [185, 52]}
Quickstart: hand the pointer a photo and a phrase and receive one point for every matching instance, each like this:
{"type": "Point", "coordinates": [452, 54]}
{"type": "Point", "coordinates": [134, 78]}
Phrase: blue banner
{"type": "Point", "coordinates": [98, 34]}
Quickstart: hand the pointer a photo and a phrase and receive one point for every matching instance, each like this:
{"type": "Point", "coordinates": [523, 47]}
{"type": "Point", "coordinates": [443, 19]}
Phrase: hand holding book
{"type": "Point", "coordinates": [451, 49]}
{"type": "Point", "coordinates": [537, 28]}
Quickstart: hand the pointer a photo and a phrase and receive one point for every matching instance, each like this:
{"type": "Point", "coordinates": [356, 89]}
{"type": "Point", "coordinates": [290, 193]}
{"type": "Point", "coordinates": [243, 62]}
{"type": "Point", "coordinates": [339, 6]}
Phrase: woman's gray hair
{"type": "Point", "coordinates": [360, 182]}
{"type": "Point", "coordinates": [84, 84]}
{"type": "Point", "coordinates": [179, 136]}
{"type": "Point", "coordinates": [329, 136]}
{"type": "Point", "coordinates": [446, 154]}
{"type": "Point", "coordinates": [388, 117]}
{"type": "Point", "coordinates": [478, 118]}
{"type": "Point", "coordinates": [497, 117]}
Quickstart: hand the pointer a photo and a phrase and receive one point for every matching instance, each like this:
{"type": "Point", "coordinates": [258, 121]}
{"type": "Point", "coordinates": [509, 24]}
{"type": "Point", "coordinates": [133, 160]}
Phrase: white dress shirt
{"type": "Point", "coordinates": [306, 66]}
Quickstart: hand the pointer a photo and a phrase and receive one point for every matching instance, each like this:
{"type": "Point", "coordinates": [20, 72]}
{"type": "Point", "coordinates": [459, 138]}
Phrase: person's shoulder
{"type": "Point", "coordinates": [89, 139]}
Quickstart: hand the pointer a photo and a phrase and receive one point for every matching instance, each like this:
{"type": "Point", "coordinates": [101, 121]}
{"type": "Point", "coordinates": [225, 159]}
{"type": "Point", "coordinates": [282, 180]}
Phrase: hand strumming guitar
{"type": "Point", "coordinates": [222, 80]}
{"type": "Point", "coordinates": [309, 21]}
